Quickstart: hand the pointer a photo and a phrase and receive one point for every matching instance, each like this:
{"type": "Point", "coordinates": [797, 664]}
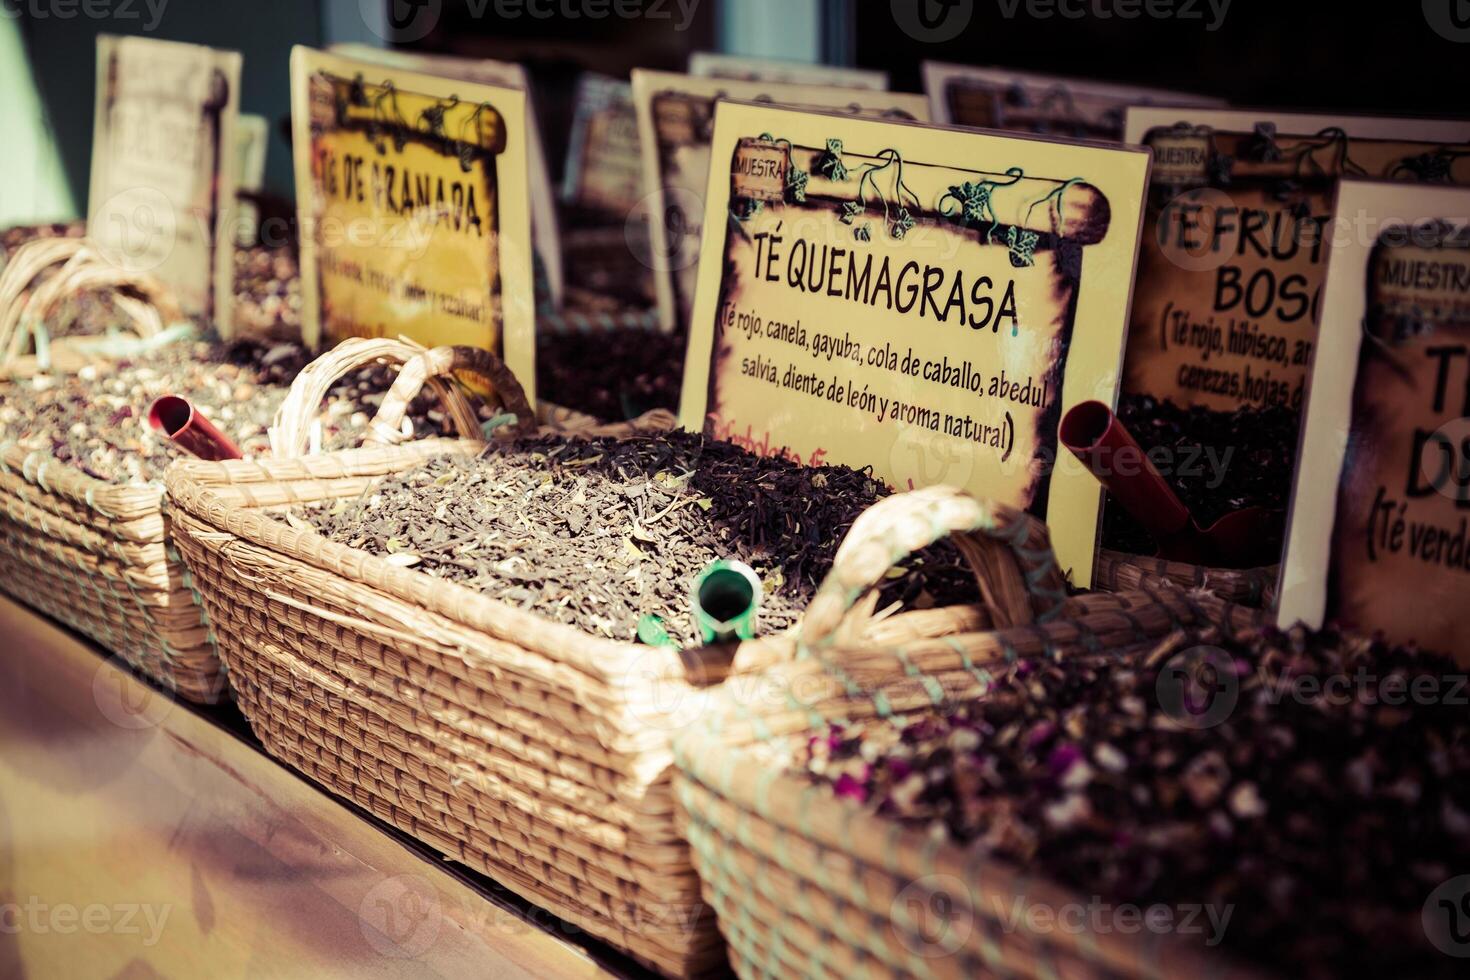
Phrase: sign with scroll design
{"type": "Point", "coordinates": [1047, 105]}
{"type": "Point", "coordinates": [487, 71]}
{"type": "Point", "coordinates": [1235, 251]}
{"type": "Point", "coordinates": [413, 199]}
{"type": "Point", "coordinates": [710, 64]}
{"type": "Point", "coordinates": [870, 294]}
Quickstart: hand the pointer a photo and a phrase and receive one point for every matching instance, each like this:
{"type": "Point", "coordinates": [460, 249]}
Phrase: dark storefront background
{"type": "Point", "coordinates": [1380, 57]}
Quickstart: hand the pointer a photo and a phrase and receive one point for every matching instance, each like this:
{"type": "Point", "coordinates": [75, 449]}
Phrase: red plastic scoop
{"type": "Point", "coordinates": [1241, 539]}
{"type": "Point", "coordinates": [176, 418]}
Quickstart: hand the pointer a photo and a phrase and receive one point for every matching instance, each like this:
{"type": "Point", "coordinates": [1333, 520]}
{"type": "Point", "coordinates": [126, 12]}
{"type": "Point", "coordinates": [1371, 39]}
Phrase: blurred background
{"type": "Point", "coordinates": [1405, 57]}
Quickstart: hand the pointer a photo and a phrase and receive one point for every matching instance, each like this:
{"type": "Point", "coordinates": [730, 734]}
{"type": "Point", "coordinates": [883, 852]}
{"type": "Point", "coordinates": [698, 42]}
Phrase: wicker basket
{"type": "Point", "coordinates": [45, 273]}
{"type": "Point", "coordinates": [807, 884]}
{"type": "Point", "coordinates": [524, 748]}
{"type": "Point", "coordinates": [1120, 572]}
{"type": "Point", "coordinates": [89, 553]}
{"type": "Point", "coordinates": [97, 557]}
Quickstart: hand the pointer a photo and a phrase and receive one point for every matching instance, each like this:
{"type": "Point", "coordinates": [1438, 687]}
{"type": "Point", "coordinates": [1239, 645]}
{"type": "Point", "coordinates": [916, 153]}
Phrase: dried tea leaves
{"type": "Point", "coordinates": [97, 420]}
{"type": "Point", "coordinates": [1320, 807]}
{"type": "Point", "coordinates": [1217, 462]}
{"type": "Point", "coordinates": [610, 374]}
{"type": "Point", "coordinates": [267, 293]}
{"type": "Point", "coordinates": [597, 533]}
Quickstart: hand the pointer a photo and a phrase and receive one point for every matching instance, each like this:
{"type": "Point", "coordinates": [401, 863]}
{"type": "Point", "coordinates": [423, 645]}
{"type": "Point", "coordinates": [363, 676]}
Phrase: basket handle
{"type": "Point", "coordinates": [82, 268]}
{"type": "Point", "coordinates": [1008, 550]}
{"type": "Point", "coordinates": [438, 367]}
{"type": "Point", "coordinates": [290, 431]}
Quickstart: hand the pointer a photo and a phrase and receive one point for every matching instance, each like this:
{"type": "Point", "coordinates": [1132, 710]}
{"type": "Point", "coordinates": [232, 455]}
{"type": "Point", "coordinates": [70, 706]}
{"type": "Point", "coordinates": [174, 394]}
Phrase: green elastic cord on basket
{"type": "Point", "coordinates": [989, 952]}
{"type": "Point", "coordinates": [1045, 965]}
{"type": "Point", "coordinates": [763, 806]}
{"type": "Point", "coordinates": [803, 898]}
{"type": "Point", "coordinates": [151, 631]}
{"type": "Point", "coordinates": [116, 345]}
{"type": "Point", "coordinates": [498, 422]}
{"type": "Point", "coordinates": [819, 869]}
{"type": "Point", "coordinates": [198, 597]}
{"type": "Point", "coordinates": [931, 686]}
{"type": "Point", "coordinates": [728, 875]}
{"type": "Point", "coordinates": [1036, 564]}
{"type": "Point", "coordinates": [903, 919]}
{"type": "Point", "coordinates": [982, 676]}
{"type": "Point", "coordinates": [113, 345]}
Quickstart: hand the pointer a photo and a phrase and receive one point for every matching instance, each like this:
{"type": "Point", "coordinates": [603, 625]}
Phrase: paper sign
{"type": "Point", "coordinates": [872, 294]}
{"type": "Point", "coordinates": [252, 140]}
{"type": "Point", "coordinates": [413, 201]}
{"type": "Point", "coordinates": [708, 64]}
{"type": "Point", "coordinates": [675, 117]}
{"type": "Point", "coordinates": [163, 167]}
{"type": "Point", "coordinates": [1233, 255]}
{"type": "Point", "coordinates": [1140, 120]}
{"type": "Point", "coordinates": [604, 169]}
{"type": "Point", "coordinates": [1378, 540]}
{"type": "Point", "coordinates": [606, 239]}
{"type": "Point", "coordinates": [1048, 105]}
{"type": "Point", "coordinates": [485, 71]}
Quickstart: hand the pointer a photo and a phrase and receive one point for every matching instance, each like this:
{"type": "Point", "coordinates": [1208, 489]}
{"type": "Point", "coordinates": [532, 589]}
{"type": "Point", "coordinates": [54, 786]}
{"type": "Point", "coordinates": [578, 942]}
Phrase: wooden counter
{"type": "Point", "coordinates": [143, 838]}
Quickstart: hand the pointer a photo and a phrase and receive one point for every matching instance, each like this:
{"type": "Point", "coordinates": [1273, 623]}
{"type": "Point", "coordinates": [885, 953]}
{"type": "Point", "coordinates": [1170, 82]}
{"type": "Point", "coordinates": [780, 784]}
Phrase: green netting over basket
{"type": "Point", "coordinates": [806, 883]}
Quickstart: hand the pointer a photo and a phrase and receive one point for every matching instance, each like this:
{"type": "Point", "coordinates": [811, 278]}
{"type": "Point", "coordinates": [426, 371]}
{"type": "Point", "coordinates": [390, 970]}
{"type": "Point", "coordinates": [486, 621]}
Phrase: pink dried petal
{"type": "Point", "coordinates": [849, 787]}
{"type": "Point", "coordinates": [1062, 758]}
{"type": "Point", "coordinates": [1039, 733]}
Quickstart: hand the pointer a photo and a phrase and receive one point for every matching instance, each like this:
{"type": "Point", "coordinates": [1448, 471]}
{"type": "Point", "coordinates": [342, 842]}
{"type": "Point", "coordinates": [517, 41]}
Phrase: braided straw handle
{"type": "Point", "coordinates": [82, 268]}
{"type": "Point", "coordinates": [440, 365]}
{"type": "Point", "coordinates": [1008, 550]}
{"type": "Point", "coordinates": [290, 431]}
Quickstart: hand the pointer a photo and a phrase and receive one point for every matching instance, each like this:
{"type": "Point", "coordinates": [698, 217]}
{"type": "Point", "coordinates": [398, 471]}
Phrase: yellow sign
{"type": "Point", "coordinates": [413, 199]}
{"type": "Point", "coordinates": [870, 294]}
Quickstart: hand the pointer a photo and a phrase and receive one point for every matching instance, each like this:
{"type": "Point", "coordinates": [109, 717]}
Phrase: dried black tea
{"type": "Point", "coordinates": [613, 374]}
{"type": "Point", "coordinates": [13, 238]}
{"type": "Point", "coordinates": [1217, 462]}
